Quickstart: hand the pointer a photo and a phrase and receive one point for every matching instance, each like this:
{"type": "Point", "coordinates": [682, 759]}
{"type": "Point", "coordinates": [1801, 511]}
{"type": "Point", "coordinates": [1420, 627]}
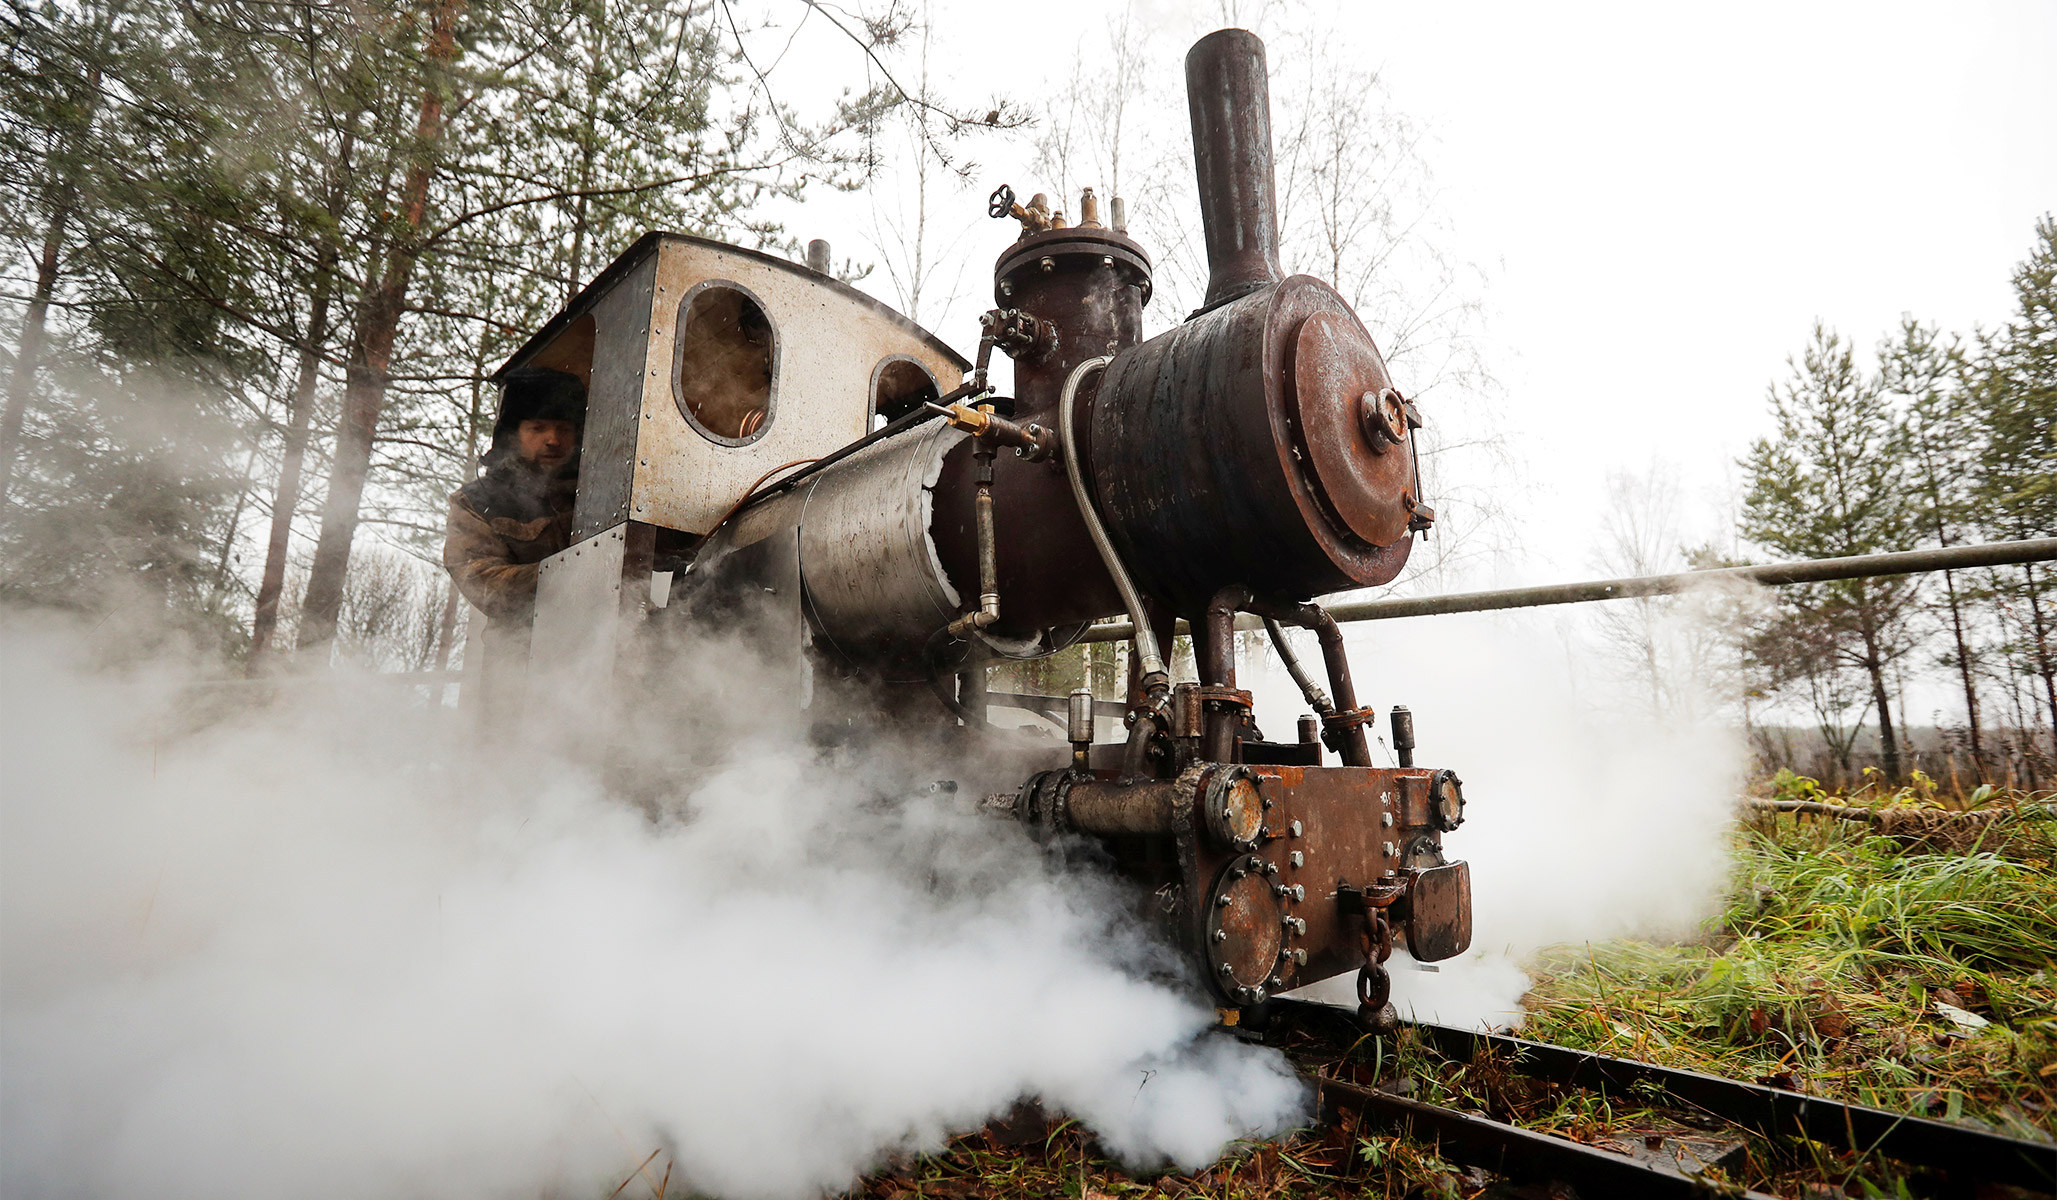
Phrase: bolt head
{"type": "Point", "coordinates": [1224, 970]}
{"type": "Point", "coordinates": [1221, 901]}
{"type": "Point", "coordinates": [1297, 859]}
{"type": "Point", "coordinates": [1221, 935]}
{"type": "Point", "coordinates": [1385, 819]}
{"type": "Point", "coordinates": [1294, 828]}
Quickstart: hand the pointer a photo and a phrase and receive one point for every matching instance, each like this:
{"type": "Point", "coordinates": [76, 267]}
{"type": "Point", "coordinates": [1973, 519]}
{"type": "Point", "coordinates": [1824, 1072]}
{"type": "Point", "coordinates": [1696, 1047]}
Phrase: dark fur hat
{"type": "Point", "coordinates": [535, 394]}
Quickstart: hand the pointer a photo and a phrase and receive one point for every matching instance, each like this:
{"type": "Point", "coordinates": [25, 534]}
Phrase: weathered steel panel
{"type": "Point", "coordinates": [829, 340]}
{"type": "Point", "coordinates": [614, 401]}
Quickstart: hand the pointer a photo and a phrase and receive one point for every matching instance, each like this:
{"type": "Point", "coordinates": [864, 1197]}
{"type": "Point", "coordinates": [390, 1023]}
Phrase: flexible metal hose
{"type": "Point", "coordinates": [1316, 698]}
{"type": "Point", "coordinates": [1147, 651]}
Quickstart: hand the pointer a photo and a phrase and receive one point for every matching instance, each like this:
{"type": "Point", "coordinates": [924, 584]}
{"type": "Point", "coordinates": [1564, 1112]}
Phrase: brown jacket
{"type": "Point", "coordinates": [501, 525]}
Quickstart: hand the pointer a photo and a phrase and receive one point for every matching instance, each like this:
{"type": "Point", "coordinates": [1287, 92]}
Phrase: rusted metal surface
{"type": "Point", "coordinates": [1088, 287]}
{"type": "Point", "coordinates": [1107, 809]}
{"type": "Point", "coordinates": [1246, 926]}
{"type": "Point", "coordinates": [1272, 861]}
{"type": "Point", "coordinates": [1199, 469]}
{"type": "Point", "coordinates": [1439, 912]}
{"type": "Point", "coordinates": [1363, 473]}
{"type": "Point", "coordinates": [1229, 98]}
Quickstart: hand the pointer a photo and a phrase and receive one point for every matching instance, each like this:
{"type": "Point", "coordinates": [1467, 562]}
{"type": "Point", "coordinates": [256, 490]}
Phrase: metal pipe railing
{"type": "Point", "coordinates": [1813, 570]}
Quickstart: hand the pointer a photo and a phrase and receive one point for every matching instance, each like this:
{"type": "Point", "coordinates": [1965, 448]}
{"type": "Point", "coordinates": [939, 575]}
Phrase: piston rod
{"type": "Point", "coordinates": [1812, 570]}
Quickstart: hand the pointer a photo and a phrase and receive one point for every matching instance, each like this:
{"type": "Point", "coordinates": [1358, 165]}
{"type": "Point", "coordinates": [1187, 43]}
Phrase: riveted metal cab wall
{"type": "Point", "coordinates": [827, 342]}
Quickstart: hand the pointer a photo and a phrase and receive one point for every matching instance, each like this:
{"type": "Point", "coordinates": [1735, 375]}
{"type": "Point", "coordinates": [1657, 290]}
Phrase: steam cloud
{"type": "Point", "coordinates": [328, 948]}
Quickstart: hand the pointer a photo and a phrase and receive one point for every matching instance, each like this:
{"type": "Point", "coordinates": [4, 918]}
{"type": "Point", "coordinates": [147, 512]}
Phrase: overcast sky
{"type": "Point", "coordinates": [1661, 198]}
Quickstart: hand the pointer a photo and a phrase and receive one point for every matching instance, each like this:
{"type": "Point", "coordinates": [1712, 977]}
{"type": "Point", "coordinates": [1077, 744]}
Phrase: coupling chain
{"type": "Point", "coordinates": [1374, 982]}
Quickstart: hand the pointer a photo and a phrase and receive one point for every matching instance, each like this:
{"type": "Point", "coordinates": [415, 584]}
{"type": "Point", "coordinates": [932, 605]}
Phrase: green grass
{"type": "Point", "coordinates": [1823, 971]}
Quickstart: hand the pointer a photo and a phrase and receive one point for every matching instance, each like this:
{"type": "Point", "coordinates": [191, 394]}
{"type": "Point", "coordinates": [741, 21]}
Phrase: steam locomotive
{"type": "Point", "coordinates": [757, 429]}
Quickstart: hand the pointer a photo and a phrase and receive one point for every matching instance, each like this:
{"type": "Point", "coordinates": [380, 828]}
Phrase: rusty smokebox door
{"type": "Point", "coordinates": [1340, 394]}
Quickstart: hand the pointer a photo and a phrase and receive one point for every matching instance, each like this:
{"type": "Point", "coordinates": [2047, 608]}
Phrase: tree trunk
{"type": "Point", "coordinates": [1978, 754]}
{"type": "Point", "coordinates": [293, 456]}
{"type": "Point", "coordinates": [365, 372]}
{"type": "Point", "coordinates": [1889, 746]}
{"type": "Point", "coordinates": [31, 346]}
{"type": "Point", "coordinates": [286, 500]}
{"type": "Point", "coordinates": [2044, 666]}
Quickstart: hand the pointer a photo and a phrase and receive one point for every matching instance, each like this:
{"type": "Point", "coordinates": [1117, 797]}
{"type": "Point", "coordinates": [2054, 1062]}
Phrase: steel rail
{"type": "Point", "coordinates": [1814, 570]}
{"type": "Point", "coordinates": [1520, 1154]}
{"type": "Point", "coordinates": [1772, 1111]}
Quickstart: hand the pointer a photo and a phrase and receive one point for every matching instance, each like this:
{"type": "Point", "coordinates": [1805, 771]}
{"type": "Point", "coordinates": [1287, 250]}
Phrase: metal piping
{"type": "Point", "coordinates": [1813, 570]}
{"type": "Point", "coordinates": [1156, 679]}
{"type": "Point", "coordinates": [1217, 660]}
{"type": "Point", "coordinates": [1343, 725]}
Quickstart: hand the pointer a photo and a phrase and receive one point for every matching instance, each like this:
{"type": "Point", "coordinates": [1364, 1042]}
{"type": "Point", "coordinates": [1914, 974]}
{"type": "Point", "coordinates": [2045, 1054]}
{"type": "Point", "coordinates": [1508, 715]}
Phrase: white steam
{"type": "Point", "coordinates": [324, 948]}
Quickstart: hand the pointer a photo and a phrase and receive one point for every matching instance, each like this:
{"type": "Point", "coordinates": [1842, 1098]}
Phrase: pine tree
{"type": "Point", "coordinates": [1924, 369]}
{"type": "Point", "coordinates": [1832, 483]}
{"type": "Point", "coordinates": [2015, 386]}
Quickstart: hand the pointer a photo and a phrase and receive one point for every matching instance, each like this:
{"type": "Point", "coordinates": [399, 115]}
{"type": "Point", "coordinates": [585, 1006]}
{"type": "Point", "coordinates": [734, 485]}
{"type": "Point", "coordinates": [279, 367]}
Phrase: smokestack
{"type": "Point", "coordinates": [1228, 92]}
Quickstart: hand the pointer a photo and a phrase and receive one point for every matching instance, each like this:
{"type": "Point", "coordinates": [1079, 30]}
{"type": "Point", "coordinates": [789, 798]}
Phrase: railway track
{"type": "Point", "coordinates": [1946, 1158]}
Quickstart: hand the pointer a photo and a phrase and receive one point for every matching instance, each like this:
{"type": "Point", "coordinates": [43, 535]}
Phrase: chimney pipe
{"type": "Point", "coordinates": [1228, 93]}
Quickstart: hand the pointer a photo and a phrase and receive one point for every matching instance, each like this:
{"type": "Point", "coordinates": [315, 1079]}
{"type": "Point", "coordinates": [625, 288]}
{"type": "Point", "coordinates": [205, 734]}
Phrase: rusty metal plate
{"type": "Point", "coordinates": [1245, 927]}
{"type": "Point", "coordinates": [1335, 366]}
{"type": "Point", "coordinates": [1439, 912]}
